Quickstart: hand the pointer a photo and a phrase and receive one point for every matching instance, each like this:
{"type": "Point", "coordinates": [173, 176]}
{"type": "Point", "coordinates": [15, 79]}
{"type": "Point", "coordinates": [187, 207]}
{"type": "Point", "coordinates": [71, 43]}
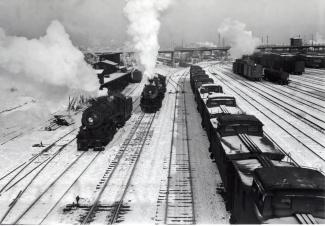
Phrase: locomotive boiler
{"type": "Point", "coordinates": [101, 120]}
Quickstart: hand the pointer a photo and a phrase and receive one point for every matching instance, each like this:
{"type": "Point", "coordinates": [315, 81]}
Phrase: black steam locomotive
{"type": "Point", "coordinates": [101, 119]}
{"type": "Point", "coordinates": [153, 94]}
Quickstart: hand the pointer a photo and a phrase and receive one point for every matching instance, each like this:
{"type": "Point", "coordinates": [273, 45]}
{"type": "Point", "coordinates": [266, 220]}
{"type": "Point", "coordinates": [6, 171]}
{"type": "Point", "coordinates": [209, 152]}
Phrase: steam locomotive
{"type": "Point", "coordinates": [153, 94]}
{"type": "Point", "coordinates": [101, 119]}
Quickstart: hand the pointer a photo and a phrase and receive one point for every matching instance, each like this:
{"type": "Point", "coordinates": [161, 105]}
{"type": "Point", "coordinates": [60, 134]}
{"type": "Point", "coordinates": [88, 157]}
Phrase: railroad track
{"type": "Point", "coordinates": [321, 92]}
{"type": "Point", "coordinates": [40, 209]}
{"type": "Point", "coordinates": [304, 140]}
{"type": "Point", "coordinates": [305, 116]}
{"type": "Point", "coordinates": [109, 200]}
{"type": "Point", "coordinates": [307, 102]}
{"type": "Point", "coordinates": [176, 202]}
{"type": "Point", "coordinates": [22, 131]}
{"type": "Point", "coordinates": [312, 78]}
{"type": "Point", "coordinates": [26, 168]}
{"type": "Point", "coordinates": [316, 71]}
{"type": "Point", "coordinates": [303, 79]}
{"type": "Point", "coordinates": [305, 92]}
{"type": "Point", "coordinates": [33, 205]}
{"type": "Point", "coordinates": [8, 215]}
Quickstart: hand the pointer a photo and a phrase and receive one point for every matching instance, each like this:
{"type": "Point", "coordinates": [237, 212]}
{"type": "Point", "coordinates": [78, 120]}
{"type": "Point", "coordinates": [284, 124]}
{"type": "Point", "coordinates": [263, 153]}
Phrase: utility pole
{"type": "Point", "coordinates": [312, 39]}
{"type": "Point", "coordinates": [219, 37]}
{"type": "Point", "coordinates": [262, 40]}
{"type": "Point", "coordinates": [267, 40]}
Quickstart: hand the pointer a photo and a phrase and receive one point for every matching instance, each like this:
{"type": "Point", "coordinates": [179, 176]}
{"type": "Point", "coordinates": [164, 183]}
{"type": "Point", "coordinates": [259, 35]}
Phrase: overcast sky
{"type": "Point", "coordinates": [102, 22]}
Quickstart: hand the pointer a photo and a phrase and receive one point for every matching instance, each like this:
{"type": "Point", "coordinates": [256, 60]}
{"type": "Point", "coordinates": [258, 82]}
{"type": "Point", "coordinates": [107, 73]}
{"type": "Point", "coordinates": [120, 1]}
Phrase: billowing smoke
{"type": "Point", "coordinates": [143, 16]}
{"type": "Point", "coordinates": [37, 76]}
{"type": "Point", "coordinates": [51, 59]}
{"type": "Point", "coordinates": [241, 40]}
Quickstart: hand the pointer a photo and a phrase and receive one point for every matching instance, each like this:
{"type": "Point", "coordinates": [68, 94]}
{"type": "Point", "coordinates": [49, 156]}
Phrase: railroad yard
{"type": "Point", "coordinates": [162, 112]}
{"type": "Point", "coordinates": [157, 168]}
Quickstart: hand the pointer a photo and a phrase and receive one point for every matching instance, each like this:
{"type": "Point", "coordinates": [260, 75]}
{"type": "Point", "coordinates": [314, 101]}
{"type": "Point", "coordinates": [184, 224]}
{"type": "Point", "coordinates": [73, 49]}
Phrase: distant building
{"type": "Point", "coordinates": [108, 66]}
{"type": "Point", "coordinates": [115, 57]}
{"type": "Point", "coordinates": [295, 42]}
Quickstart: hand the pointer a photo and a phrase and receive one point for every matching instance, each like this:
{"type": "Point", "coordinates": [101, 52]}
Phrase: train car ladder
{"type": "Point", "coordinates": [224, 109]}
{"type": "Point", "coordinates": [253, 148]}
{"type": "Point", "coordinates": [305, 218]}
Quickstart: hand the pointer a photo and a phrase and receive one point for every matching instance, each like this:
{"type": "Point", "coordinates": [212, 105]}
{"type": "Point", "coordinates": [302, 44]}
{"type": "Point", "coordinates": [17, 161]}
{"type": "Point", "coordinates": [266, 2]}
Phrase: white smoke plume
{"type": "Point", "coordinates": [40, 75]}
{"type": "Point", "coordinates": [51, 59]}
{"type": "Point", "coordinates": [143, 16]}
{"type": "Point", "coordinates": [241, 40]}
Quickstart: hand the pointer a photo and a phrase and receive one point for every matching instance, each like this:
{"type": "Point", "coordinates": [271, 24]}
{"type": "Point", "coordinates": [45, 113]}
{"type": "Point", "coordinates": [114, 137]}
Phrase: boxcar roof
{"type": "Point", "coordinates": [115, 76]}
{"type": "Point", "coordinates": [210, 85]}
{"type": "Point", "coordinates": [238, 118]}
{"type": "Point", "coordinates": [220, 95]}
{"type": "Point", "coordinates": [279, 178]}
{"type": "Point", "coordinates": [246, 168]}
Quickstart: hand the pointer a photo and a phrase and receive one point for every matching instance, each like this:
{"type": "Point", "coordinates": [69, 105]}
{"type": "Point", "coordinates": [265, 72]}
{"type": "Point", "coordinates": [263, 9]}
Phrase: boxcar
{"type": "Point", "coordinates": [205, 90]}
{"type": "Point", "coordinates": [269, 191]}
{"type": "Point", "coordinates": [279, 76]}
{"type": "Point", "coordinates": [236, 137]}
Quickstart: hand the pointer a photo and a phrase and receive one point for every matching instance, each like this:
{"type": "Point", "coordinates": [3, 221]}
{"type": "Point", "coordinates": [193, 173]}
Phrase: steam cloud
{"type": "Point", "coordinates": [144, 26]}
{"type": "Point", "coordinates": [51, 59]}
{"type": "Point", "coordinates": [241, 41]}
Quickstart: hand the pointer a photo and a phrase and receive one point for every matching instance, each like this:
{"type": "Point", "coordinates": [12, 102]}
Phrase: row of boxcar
{"type": "Point", "coordinates": [313, 61]}
{"type": "Point", "coordinates": [271, 67]}
{"type": "Point", "coordinates": [275, 67]}
{"type": "Point", "coordinates": [261, 187]}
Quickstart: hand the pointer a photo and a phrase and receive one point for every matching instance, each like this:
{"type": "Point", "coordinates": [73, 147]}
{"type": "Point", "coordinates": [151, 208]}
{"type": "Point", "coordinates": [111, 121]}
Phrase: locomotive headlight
{"type": "Point", "coordinates": [90, 121]}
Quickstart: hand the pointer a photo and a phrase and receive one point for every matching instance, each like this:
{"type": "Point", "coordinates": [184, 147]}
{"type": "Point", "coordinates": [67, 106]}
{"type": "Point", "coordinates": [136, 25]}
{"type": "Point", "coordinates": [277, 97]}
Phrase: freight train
{"type": "Point", "coordinates": [248, 68]}
{"type": "Point", "coordinates": [313, 61]}
{"type": "Point", "coordinates": [153, 94]}
{"type": "Point", "coordinates": [119, 80]}
{"type": "Point", "coordinates": [261, 187]}
{"type": "Point", "coordinates": [101, 119]}
{"type": "Point", "coordinates": [289, 63]}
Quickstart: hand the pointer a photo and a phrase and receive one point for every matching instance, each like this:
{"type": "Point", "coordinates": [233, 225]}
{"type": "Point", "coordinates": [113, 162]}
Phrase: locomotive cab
{"type": "Point", "coordinates": [286, 194]}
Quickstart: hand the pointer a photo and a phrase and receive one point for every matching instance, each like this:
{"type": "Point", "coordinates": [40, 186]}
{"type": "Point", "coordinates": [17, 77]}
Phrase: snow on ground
{"type": "Point", "coordinates": [144, 201]}
{"type": "Point", "coordinates": [146, 196]}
